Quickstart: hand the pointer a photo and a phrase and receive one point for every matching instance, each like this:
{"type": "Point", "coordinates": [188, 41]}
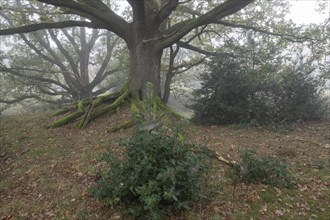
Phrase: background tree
{"type": "Point", "coordinates": [59, 66]}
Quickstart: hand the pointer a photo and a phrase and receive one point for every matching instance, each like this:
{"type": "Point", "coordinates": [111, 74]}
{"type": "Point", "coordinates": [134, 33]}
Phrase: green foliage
{"type": "Point", "coordinates": [267, 170]}
{"type": "Point", "coordinates": [298, 95]}
{"type": "Point", "coordinates": [232, 91]}
{"type": "Point", "coordinates": [158, 173]}
{"type": "Point", "coordinates": [232, 94]}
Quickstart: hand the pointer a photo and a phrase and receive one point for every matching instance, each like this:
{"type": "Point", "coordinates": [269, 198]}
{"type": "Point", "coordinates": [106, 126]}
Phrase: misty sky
{"type": "Point", "coordinates": [303, 11]}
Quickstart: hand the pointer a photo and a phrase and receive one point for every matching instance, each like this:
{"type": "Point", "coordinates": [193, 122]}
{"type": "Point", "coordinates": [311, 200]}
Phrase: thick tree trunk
{"type": "Point", "coordinates": [145, 52]}
{"type": "Point", "coordinates": [145, 67]}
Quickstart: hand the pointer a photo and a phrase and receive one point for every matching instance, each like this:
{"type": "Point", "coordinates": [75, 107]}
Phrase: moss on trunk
{"type": "Point", "coordinates": [87, 110]}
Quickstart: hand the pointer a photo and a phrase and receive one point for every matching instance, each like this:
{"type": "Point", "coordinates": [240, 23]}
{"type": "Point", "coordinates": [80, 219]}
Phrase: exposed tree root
{"type": "Point", "coordinates": [70, 117]}
{"type": "Point", "coordinates": [123, 125]}
{"type": "Point", "coordinates": [87, 110]}
{"type": "Point", "coordinates": [90, 114]}
{"type": "Point", "coordinates": [61, 111]}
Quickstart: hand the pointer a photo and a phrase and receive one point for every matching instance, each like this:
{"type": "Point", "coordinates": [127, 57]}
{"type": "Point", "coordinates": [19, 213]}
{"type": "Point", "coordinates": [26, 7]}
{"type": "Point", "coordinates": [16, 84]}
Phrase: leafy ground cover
{"type": "Point", "coordinates": [46, 173]}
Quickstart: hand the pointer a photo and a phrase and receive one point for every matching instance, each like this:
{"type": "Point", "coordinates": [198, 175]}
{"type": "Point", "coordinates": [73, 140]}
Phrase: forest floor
{"type": "Point", "coordinates": [46, 173]}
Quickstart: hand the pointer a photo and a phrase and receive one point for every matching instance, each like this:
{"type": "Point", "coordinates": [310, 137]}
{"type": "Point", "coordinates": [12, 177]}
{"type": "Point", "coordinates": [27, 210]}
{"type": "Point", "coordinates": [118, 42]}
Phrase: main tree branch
{"type": "Point", "coordinates": [176, 32]}
{"type": "Point", "coordinates": [199, 50]}
{"type": "Point", "coordinates": [41, 26]}
{"type": "Point", "coordinates": [217, 20]}
{"type": "Point", "coordinates": [166, 10]}
{"type": "Point", "coordinates": [13, 101]}
{"type": "Point", "coordinates": [289, 37]}
{"type": "Point", "coordinates": [96, 11]}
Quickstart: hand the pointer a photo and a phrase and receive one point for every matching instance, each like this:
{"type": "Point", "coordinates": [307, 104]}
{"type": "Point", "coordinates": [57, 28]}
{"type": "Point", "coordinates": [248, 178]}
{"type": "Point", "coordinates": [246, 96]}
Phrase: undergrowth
{"type": "Point", "coordinates": [267, 170]}
{"type": "Point", "coordinates": [159, 173]}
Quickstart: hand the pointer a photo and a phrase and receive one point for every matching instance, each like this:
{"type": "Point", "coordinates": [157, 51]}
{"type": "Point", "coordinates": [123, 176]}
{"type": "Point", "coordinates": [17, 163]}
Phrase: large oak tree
{"type": "Point", "coordinates": [147, 33]}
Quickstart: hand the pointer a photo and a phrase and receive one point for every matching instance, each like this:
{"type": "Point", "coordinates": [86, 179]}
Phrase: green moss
{"type": "Point", "coordinates": [80, 106]}
{"type": "Point", "coordinates": [139, 104]}
{"type": "Point", "coordinates": [134, 109]}
{"type": "Point", "coordinates": [111, 107]}
{"type": "Point", "coordinates": [65, 120]}
{"type": "Point", "coordinates": [123, 125]}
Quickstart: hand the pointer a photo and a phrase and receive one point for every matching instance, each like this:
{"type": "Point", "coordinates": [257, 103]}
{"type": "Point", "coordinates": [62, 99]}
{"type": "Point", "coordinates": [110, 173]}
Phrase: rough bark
{"type": "Point", "coordinates": [145, 67]}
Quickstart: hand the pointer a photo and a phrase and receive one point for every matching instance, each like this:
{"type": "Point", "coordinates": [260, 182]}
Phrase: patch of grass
{"type": "Point", "coordinates": [324, 215]}
{"type": "Point", "coordinates": [283, 128]}
{"type": "Point", "coordinates": [240, 215]}
{"type": "Point", "coordinates": [1, 144]}
{"type": "Point", "coordinates": [81, 215]}
{"type": "Point", "coordinates": [286, 152]}
{"type": "Point", "coordinates": [17, 146]}
{"type": "Point", "coordinates": [268, 196]}
{"type": "Point", "coordinates": [241, 126]}
{"type": "Point", "coordinates": [190, 215]}
{"type": "Point", "coordinates": [311, 203]}
{"type": "Point", "coordinates": [36, 152]}
{"type": "Point", "coordinates": [104, 144]}
{"type": "Point", "coordinates": [7, 184]}
{"type": "Point", "coordinates": [16, 206]}
{"type": "Point", "coordinates": [91, 169]}
{"type": "Point", "coordinates": [215, 216]}
{"type": "Point", "coordinates": [326, 195]}
{"type": "Point", "coordinates": [289, 194]}
{"type": "Point", "coordinates": [60, 218]}
{"type": "Point", "coordinates": [321, 164]}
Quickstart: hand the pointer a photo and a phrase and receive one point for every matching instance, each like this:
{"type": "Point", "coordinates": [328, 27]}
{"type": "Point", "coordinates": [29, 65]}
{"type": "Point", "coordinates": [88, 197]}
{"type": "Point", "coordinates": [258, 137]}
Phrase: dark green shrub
{"type": "Point", "coordinates": [158, 173]}
{"type": "Point", "coordinates": [267, 170]}
{"type": "Point", "coordinates": [299, 94]}
{"type": "Point", "coordinates": [234, 92]}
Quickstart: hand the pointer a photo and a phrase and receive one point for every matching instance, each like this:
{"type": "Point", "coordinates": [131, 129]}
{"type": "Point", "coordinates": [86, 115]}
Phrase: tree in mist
{"type": "Point", "coordinates": [58, 65]}
{"type": "Point", "coordinates": [147, 32]}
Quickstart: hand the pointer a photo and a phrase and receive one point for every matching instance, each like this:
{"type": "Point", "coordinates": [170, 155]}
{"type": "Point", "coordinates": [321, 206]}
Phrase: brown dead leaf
{"type": "Point", "coordinates": [279, 213]}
